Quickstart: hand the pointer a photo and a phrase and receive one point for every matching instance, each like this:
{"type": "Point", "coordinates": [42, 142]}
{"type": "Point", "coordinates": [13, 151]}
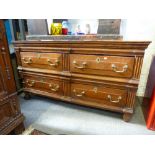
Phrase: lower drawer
{"type": "Point", "coordinates": [45, 84]}
{"type": "Point", "coordinates": [99, 94]}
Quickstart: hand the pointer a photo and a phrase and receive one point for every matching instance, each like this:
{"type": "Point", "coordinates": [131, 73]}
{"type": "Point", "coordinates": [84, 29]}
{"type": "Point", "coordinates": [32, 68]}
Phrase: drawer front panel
{"type": "Point", "coordinates": [100, 94]}
{"type": "Point", "coordinates": [51, 61]}
{"type": "Point", "coordinates": [102, 65]}
{"type": "Point", "coordinates": [50, 85]}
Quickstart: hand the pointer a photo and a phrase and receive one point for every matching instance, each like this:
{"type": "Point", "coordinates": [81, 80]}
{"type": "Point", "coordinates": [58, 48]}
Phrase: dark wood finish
{"type": "Point", "coordinates": [50, 61]}
{"type": "Point", "coordinates": [10, 114]}
{"type": "Point", "coordinates": [127, 117]}
{"type": "Point", "coordinates": [27, 95]}
{"type": "Point", "coordinates": [19, 129]}
{"type": "Point", "coordinates": [102, 65]}
{"type": "Point", "coordinates": [99, 93]}
{"type": "Point", "coordinates": [101, 74]}
{"type": "Point", "coordinates": [50, 85]}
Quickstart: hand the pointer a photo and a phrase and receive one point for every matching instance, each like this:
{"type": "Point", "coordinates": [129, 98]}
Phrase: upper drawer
{"type": "Point", "coordinates": [51, 61]}
{"type": "Point", "coordinates": [102, 65]}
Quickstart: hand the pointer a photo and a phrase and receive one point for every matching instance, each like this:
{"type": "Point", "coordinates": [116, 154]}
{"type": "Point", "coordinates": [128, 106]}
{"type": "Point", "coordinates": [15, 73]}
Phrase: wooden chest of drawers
{"type": "Point", "coordinates": [100, 74]}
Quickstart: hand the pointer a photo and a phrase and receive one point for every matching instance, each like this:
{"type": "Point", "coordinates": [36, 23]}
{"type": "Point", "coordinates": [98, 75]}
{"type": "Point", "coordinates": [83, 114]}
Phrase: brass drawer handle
{"type": "Point", "coordinates": [83, 65]}
{"type": "Point", "coordinates": [125, 67]}
{"type": "Point", "coordinates": [27, 61]}
{"type": "Point", "coordinates": [79, 95]}
{"type": "Point", "coordinates": [55, 64]}
{"type": "Point", "coordinates": [54, 87]}
{"type": "Point", "coordinates": [114, 101]}
{"type": "Point", "coordinates": [30, 83]}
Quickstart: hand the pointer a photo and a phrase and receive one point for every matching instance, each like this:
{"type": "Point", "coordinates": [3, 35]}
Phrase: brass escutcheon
{"type": "Point", "coordinates": [95, 89]}
{"type": "Point", "coordinates": [98, 60]}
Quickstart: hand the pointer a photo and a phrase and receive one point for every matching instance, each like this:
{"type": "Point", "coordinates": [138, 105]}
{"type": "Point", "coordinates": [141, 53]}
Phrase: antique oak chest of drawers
{"type": "Point", "coordinates": [100, 74]}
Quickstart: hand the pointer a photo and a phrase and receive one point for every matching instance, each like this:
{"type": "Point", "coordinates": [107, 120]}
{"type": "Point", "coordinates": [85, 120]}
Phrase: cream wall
{"type": "Point", "coordinates": [141, 29]}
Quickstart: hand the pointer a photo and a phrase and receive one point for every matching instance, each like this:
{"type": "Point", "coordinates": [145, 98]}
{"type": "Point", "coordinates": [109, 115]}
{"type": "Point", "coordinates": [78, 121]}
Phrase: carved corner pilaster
{"type": "Point", "coordinates": [131, 99]}
{"type": "Point", "coordinates": [137, 67]}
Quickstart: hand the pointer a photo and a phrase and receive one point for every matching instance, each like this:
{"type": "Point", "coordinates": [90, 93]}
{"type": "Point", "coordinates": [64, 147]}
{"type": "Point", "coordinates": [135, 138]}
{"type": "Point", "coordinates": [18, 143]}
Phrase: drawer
{"type": "Point", "coordinates": [102, 65]}
{"type": "Point", "coordinates": [51, 61]}
{"type": "Point", "coordinates": [99, 94]}
{"type": "Point", "coordinates": [50, 85]}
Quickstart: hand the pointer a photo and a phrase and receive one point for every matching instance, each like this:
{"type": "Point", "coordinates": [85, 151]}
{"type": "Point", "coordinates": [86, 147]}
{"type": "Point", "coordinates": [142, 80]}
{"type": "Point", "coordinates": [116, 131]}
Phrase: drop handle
{"type": "Point", "coordinates": [80, 94]}
{"type": "Point", "coordinates": [114, 67]}
{"type": "Point", "coordinates": [114, 101]}
{"type": "Point", "coordinates": [79, 66]}
{"type": "Point", "coordinates": [55, 64]}
{"type": "Point", "coordinates": [30, 83]}
{"type": "Point", "coordinates": [54, 87]}
{"type": "Point", "coordinates": [27, 61]}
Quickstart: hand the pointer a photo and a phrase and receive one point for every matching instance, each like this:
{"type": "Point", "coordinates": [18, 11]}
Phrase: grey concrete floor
{"type": "Point", "coordinates": [56, 117]}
